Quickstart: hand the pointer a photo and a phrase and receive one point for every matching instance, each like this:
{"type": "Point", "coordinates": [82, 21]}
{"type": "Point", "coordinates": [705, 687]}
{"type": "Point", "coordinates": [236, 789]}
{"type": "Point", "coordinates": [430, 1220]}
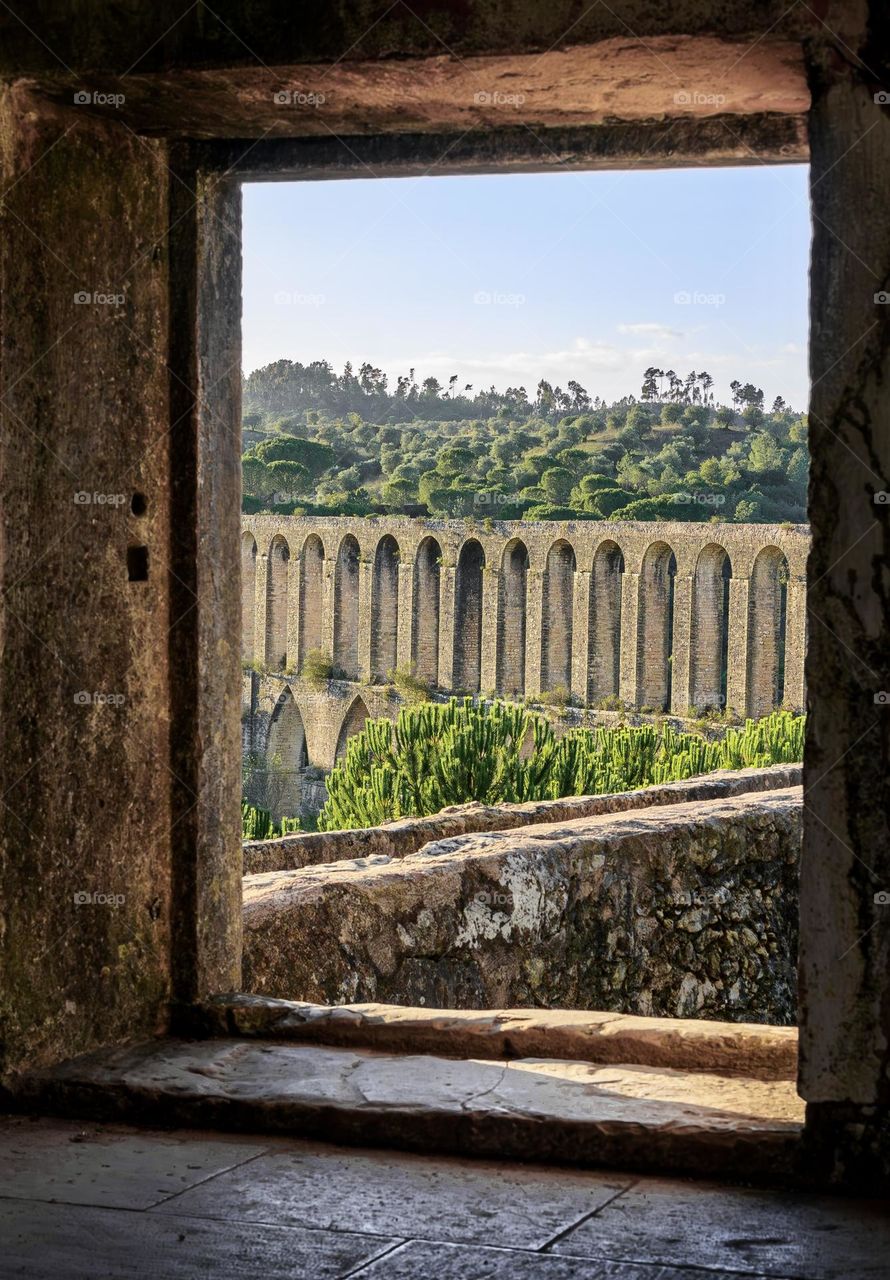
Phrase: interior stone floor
{"type": "Point", "coordinates": [82, 1201]}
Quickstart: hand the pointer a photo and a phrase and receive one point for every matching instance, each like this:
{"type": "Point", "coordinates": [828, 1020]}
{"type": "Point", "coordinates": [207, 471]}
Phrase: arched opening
{"type": "Point", "coordinates": [311, 595]}
{"type": "Point", "coordinates": [346, 576]}
{"type": "Point", "coordinates": [709, 658]}
{"type": "Point", "coordinates": [286, 758]}
{"type": "Point", "coordinates": [511, 619]}
{"type": "Point", "coordinates": [767, 620]}
{"type": "Point", "coordinates": [248, 597]}
{"type": "Point", "coordinates": [468, 617]}
{"type": "Point", "coordinates": [385, 608]}
{"type": "Point", "coordinates": [556, 622]}
{"type": "Point", "coordinates": [353, 722]}
{"type": "Point", "coordinates": [425, 611]}
{"type": "Point", "coordinates": [604, 643]}
{"type": "Point", "coordinates": [276, 604]}
{"type": "Point", "coordinates": [656, 627]}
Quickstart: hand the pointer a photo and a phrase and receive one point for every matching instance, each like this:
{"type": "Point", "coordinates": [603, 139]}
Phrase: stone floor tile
{"type": "Point", "coordinates": [71, 1242]}
{"type": "Point", "coordinates": [106, 1165]}
{"type": "Point", "coordinates": [418, 1260]}
{"type": "Point", "coordinates": [771, 1233]}
{"type": "Point", "coordinates": [390, 1193]}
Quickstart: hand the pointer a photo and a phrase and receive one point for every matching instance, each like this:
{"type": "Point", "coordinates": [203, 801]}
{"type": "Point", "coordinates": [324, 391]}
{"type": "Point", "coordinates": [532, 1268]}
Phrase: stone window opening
{"type": "Point", "coordinates": [191, 300]}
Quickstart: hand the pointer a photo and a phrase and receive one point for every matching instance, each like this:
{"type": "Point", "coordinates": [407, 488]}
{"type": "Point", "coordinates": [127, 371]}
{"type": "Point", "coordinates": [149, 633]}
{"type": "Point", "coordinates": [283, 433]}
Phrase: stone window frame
{"type": "Point", "coordinates": [840, 1054]}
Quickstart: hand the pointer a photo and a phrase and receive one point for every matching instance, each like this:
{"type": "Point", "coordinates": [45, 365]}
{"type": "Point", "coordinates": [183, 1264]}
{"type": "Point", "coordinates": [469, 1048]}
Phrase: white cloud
{"type": "Point", "coordinates": [601, 367]}
{"type": "Point", "coordinates": [659, 332]}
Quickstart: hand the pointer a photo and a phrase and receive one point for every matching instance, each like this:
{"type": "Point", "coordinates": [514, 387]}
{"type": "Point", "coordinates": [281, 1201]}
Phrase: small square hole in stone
{"type": "Point", "coordinates": [137, 564]}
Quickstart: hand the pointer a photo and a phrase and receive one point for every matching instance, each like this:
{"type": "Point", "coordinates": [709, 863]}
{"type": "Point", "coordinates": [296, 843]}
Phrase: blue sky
{"type": "Point", "coordinates": [507, 279]}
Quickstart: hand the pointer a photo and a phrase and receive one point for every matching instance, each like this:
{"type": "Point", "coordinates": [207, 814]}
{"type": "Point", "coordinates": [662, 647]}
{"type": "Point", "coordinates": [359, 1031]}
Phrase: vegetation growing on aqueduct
{"type": "Point", "coordinates": [438, 754]}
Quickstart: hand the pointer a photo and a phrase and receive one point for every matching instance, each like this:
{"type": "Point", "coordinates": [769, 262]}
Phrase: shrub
{"type": "Point", "coordinates": [543, 511]}
{"type": "Point", "coordinates": [411, 686]}
{"type": "Point", "coordinates": [559, 696]}
{"type": "Point", "coordinates": [612, 702]}
{"type": "Point", "coordinates": [605, 501]}
{"type": "Point", "coordinates": [317, 667]}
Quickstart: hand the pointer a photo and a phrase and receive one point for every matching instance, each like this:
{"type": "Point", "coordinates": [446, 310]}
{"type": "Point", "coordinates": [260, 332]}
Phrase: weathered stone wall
{"type": "Point", "coordinates": [684, 910]}
{"type": "Point", "coordinates": [407, 835]}
{"type": "Point", "coordinates": [117, 831]}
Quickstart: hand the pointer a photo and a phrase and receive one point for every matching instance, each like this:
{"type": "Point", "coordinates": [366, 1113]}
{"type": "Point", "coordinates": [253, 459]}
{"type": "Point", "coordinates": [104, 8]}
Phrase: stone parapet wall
{"type": "Point", "coordinates": [407, 835]}
{"type": "Point", "coordinates": [684, 910]}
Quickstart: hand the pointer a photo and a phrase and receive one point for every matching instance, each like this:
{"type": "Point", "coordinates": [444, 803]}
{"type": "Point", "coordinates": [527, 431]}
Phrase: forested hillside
{"type": "Point", "coordinates": [318, 442]}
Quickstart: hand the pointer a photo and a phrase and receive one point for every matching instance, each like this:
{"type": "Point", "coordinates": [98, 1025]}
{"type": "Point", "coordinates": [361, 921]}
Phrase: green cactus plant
{"type": "Point", "coordinates": [258, 824]}
{"type": "Point", "coordinates": [439, 754]}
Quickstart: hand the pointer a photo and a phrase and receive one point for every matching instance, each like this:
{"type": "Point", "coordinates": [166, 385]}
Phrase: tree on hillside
{"type": "Point", "coordinates": [650, 387]}
{"type": "Point", "coordinates": [315, 457]}
{"type": "Point", "coordinates": [254, 477]}
{"type": "Point", "coordinates": [288, 477]}
{"type": "Point", "coordinates": [454, 460]}
{"type": "Point", "coordinates": [742, 396]}
{"type": "Point", "coordinates": [557, 483]}
{"type": "Point", "coordinates": [799, 467]}
{"type": "Point", "coordinates": [580, 398]}
{"type": "Point", "coordinates": [764, 454]}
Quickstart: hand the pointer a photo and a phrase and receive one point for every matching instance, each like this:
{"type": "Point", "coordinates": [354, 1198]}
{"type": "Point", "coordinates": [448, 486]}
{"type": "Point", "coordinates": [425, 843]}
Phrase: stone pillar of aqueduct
{"type": "Point", "coordinates": [677, 617]}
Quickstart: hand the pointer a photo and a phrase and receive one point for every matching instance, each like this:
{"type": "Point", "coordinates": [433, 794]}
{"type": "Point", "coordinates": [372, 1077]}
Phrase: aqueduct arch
{"type": "Point", "coordinates": [604, 638]}
{"type": "Point", "coordinates": [558, 616]}
{"type": "Point", "coordinates": [385, 607]}
{"type": "Point", "coordinates": [767, 631]}
{"type": "Point", "coordinates": [655, 644]}
{"type": "Point", "coordinates": [287, 755]}
{"type": "Point", "coordinates": [277, 603]}
{"type": "Point", "coordinates": [353, 723]}
{"type": "Point", "coordinates": [425, 613]}
{"type": "Point", "coordinates": [709, 648]}
{"type": "Point", "coordinates": [468, 617]}
{"type": "Point", "coordinates": [311, 595]}
{"type": "Point", "coordinates": [248, 596]}
{"type": "Point", "coordinates": [511, 619]}
{"type": "Point", "coordinates": [346, 608]}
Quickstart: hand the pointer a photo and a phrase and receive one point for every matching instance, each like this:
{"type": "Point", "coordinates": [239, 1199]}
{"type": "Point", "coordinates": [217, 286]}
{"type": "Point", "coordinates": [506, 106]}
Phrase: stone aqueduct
{"type": "Point", "coordinates": [663, 616]}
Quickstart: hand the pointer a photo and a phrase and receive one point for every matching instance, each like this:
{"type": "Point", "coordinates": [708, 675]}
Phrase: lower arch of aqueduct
{"type": "Point", "coordinates": [676, 617]}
